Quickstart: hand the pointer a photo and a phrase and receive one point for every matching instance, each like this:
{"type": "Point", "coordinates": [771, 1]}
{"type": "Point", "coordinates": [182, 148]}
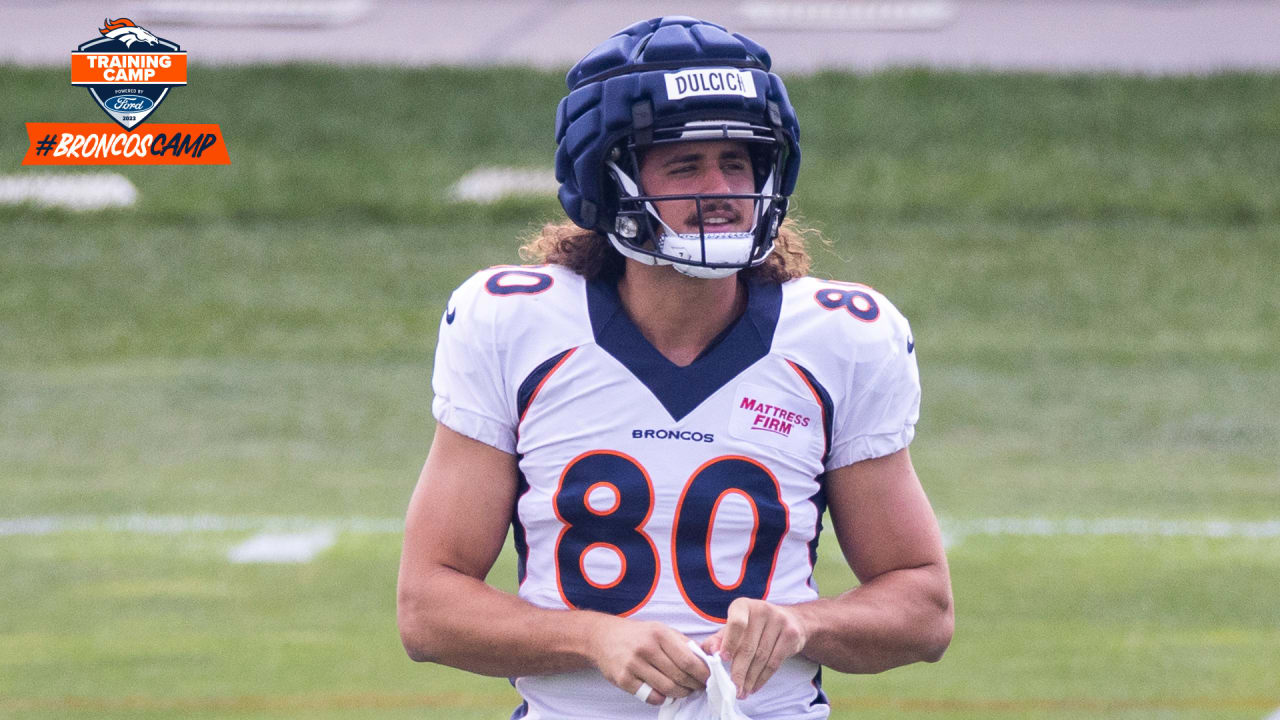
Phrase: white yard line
{"type": "Point", "coordinates": [956, 530]}
{"type": "Point", "coordinates": [179, 524]}
{"type": "Point", "coordinates": [1136, 526]}
{"type": "Point", "coordinates": [1034, 526]}
{"type": "Point", "coordinates": [490, 184]}
{"type": "Point", "coordinates": [299, 538]}
{"type": "Point", "coordinates": [71, 191]}
{"type": "Point", "coordinates": [294, 547]}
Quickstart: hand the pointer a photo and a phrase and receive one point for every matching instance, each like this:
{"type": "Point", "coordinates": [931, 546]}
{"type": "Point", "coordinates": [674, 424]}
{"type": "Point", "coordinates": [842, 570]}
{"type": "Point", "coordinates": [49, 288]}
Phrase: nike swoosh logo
{"type": "Point", "coordinates": [451, 312]}
{"type": "Point", "coordinates": [911, 344]}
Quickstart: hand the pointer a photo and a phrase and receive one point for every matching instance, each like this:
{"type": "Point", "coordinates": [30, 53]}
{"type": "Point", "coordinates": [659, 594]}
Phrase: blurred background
{"type": "Point", "coordinates": [214, 381]}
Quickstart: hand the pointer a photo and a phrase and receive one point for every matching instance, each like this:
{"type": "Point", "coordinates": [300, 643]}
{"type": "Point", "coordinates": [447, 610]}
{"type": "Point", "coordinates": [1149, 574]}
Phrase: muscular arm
{"type": "Point", "coordinates": [456, 524]}
{"type": "Point", "coordinates": [901, 613]}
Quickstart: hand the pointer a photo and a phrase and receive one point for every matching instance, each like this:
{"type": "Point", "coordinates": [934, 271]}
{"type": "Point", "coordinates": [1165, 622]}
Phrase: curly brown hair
{"type": "Point", "coordinates": [589, 253]}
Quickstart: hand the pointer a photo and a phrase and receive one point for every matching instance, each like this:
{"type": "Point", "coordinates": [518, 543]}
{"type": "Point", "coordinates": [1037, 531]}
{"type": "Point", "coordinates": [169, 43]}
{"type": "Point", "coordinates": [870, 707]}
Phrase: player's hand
{"type": "Point", "coordinates": [630, 652]}
{"type": "Point", "coordinates": [756, 638]}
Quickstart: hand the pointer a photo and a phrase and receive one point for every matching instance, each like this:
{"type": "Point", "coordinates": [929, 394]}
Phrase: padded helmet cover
{"type": "Point", "coordinates": [610, 88]}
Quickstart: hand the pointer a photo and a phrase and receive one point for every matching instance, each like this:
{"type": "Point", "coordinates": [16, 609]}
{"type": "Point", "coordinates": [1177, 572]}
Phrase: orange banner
{"type": "Point", "coordinates": [130, 68]}
{"type": "Point", "coordinates": [109, 144]}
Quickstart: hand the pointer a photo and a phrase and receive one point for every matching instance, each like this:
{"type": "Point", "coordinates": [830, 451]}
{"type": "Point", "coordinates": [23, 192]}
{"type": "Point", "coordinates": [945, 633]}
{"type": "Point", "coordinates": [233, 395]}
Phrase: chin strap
{"type": "Point", "coordinates": [671, 238]}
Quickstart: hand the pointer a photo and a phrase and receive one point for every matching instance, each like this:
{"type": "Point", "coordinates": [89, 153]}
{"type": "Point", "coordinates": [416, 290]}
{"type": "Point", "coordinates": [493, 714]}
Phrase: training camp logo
{"type": "Point", "coordinates": [128, 70]}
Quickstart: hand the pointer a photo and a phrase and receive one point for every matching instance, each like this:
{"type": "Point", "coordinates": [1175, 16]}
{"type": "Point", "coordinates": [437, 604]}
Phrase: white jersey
{"type": "Point", "coordinates": [660, 492]}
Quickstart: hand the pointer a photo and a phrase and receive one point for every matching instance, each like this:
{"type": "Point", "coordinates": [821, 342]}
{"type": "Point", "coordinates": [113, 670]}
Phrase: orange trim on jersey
{"type": "Point", "coordinates": [816, 397]}
{"type": "Point", "coordinates": [555, 554]}
{"type": "Point", "coordinates": [582, 564]}
{"type": "Point", "coordinates": [617, 498]}
{"type": "Point", "coordinates": [534, 395]}
{"type": "Point", "coordinates": [675, 527]}
{"type": "Point", "coordinates": [755, 528]}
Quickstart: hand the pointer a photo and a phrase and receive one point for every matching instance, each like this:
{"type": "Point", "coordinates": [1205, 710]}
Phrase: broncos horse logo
{"type": "Point", "coordinates": [126, 32]}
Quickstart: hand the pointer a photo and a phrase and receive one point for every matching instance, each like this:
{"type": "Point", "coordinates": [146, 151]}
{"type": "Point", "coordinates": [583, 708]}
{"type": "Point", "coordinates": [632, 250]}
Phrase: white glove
{"type": "Point", "coordinates": [718, 702]}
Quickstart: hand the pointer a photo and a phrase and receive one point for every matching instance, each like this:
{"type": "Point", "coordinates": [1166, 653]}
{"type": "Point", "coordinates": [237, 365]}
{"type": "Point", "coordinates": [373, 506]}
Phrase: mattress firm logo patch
{"type": "Point", "coordinates": [709, 81]}
{"type": "Point", "coordinates": [766, 416]}
{"type": "Point", "coordinates": [773, 418]}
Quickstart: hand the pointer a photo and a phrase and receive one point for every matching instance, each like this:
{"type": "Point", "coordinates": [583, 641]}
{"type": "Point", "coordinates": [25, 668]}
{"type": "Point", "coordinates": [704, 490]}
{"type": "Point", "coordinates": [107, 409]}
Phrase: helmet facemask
{"type": "Point", "coordinates": [640, 232]}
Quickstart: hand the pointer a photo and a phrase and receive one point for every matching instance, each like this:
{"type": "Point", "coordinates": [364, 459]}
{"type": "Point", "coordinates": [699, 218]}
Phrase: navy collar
{"type": "Point", "coordinates": [681, 389]}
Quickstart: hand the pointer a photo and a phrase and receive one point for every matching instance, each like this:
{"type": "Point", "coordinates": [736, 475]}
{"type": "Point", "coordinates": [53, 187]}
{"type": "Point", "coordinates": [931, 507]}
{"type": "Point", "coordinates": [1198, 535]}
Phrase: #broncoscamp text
{"type": "Point", "coordinates": [105, 145]}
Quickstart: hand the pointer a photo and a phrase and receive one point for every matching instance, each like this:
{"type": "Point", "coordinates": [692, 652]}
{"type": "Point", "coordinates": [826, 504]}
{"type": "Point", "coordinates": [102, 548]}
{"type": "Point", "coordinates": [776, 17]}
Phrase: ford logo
{"type": "Point", "coordinates": [128, 103]}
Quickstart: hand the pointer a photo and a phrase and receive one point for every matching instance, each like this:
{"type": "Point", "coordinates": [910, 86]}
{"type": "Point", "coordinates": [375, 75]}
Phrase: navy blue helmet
{"type": "Point", "coordinates": [669, 80]}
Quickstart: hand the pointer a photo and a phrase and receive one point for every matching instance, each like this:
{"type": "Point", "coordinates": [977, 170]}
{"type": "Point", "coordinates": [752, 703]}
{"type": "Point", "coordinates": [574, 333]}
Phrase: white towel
{"type": "Point", "coordinates": [718, 702]}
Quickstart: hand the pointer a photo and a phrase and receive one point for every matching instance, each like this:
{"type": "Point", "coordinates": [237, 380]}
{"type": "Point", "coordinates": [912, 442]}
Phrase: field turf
{"type": "Point", "coordinates": [1089, 263]}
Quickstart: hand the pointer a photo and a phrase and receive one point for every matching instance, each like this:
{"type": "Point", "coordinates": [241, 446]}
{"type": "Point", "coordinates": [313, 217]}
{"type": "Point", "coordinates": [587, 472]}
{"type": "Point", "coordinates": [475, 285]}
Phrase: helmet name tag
{"type": "Point", "coordinates": [709, 81]}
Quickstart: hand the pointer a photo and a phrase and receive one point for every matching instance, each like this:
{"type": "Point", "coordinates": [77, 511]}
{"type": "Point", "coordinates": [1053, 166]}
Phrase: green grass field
{"type": "Point", "coordinates": [1090, 265]}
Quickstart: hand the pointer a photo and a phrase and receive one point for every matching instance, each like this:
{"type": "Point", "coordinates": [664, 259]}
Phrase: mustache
{"type": "Point", "coordinates": [710, 206]}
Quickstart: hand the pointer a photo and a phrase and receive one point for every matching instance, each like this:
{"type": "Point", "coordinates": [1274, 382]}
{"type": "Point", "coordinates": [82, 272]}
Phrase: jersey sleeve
{"type": "Point", "coordinates": [471, 393]}
{"type": "Point", "coordinates": [882, 398]}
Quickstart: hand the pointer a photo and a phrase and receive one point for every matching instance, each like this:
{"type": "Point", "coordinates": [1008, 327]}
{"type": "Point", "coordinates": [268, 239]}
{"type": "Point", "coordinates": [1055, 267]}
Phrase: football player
{"type": "Point", "coordinates": [663, 410]}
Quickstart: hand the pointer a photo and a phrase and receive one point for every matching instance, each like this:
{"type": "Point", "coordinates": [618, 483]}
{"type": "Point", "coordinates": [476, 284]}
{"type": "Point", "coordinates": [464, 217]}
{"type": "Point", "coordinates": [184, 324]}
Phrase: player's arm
{"type": "Point", "coordinates": [456, 524]}
{"type": "Point", "coordinates": [902, 611]}
{"type": "Point", "coordinates": [900, 614]}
